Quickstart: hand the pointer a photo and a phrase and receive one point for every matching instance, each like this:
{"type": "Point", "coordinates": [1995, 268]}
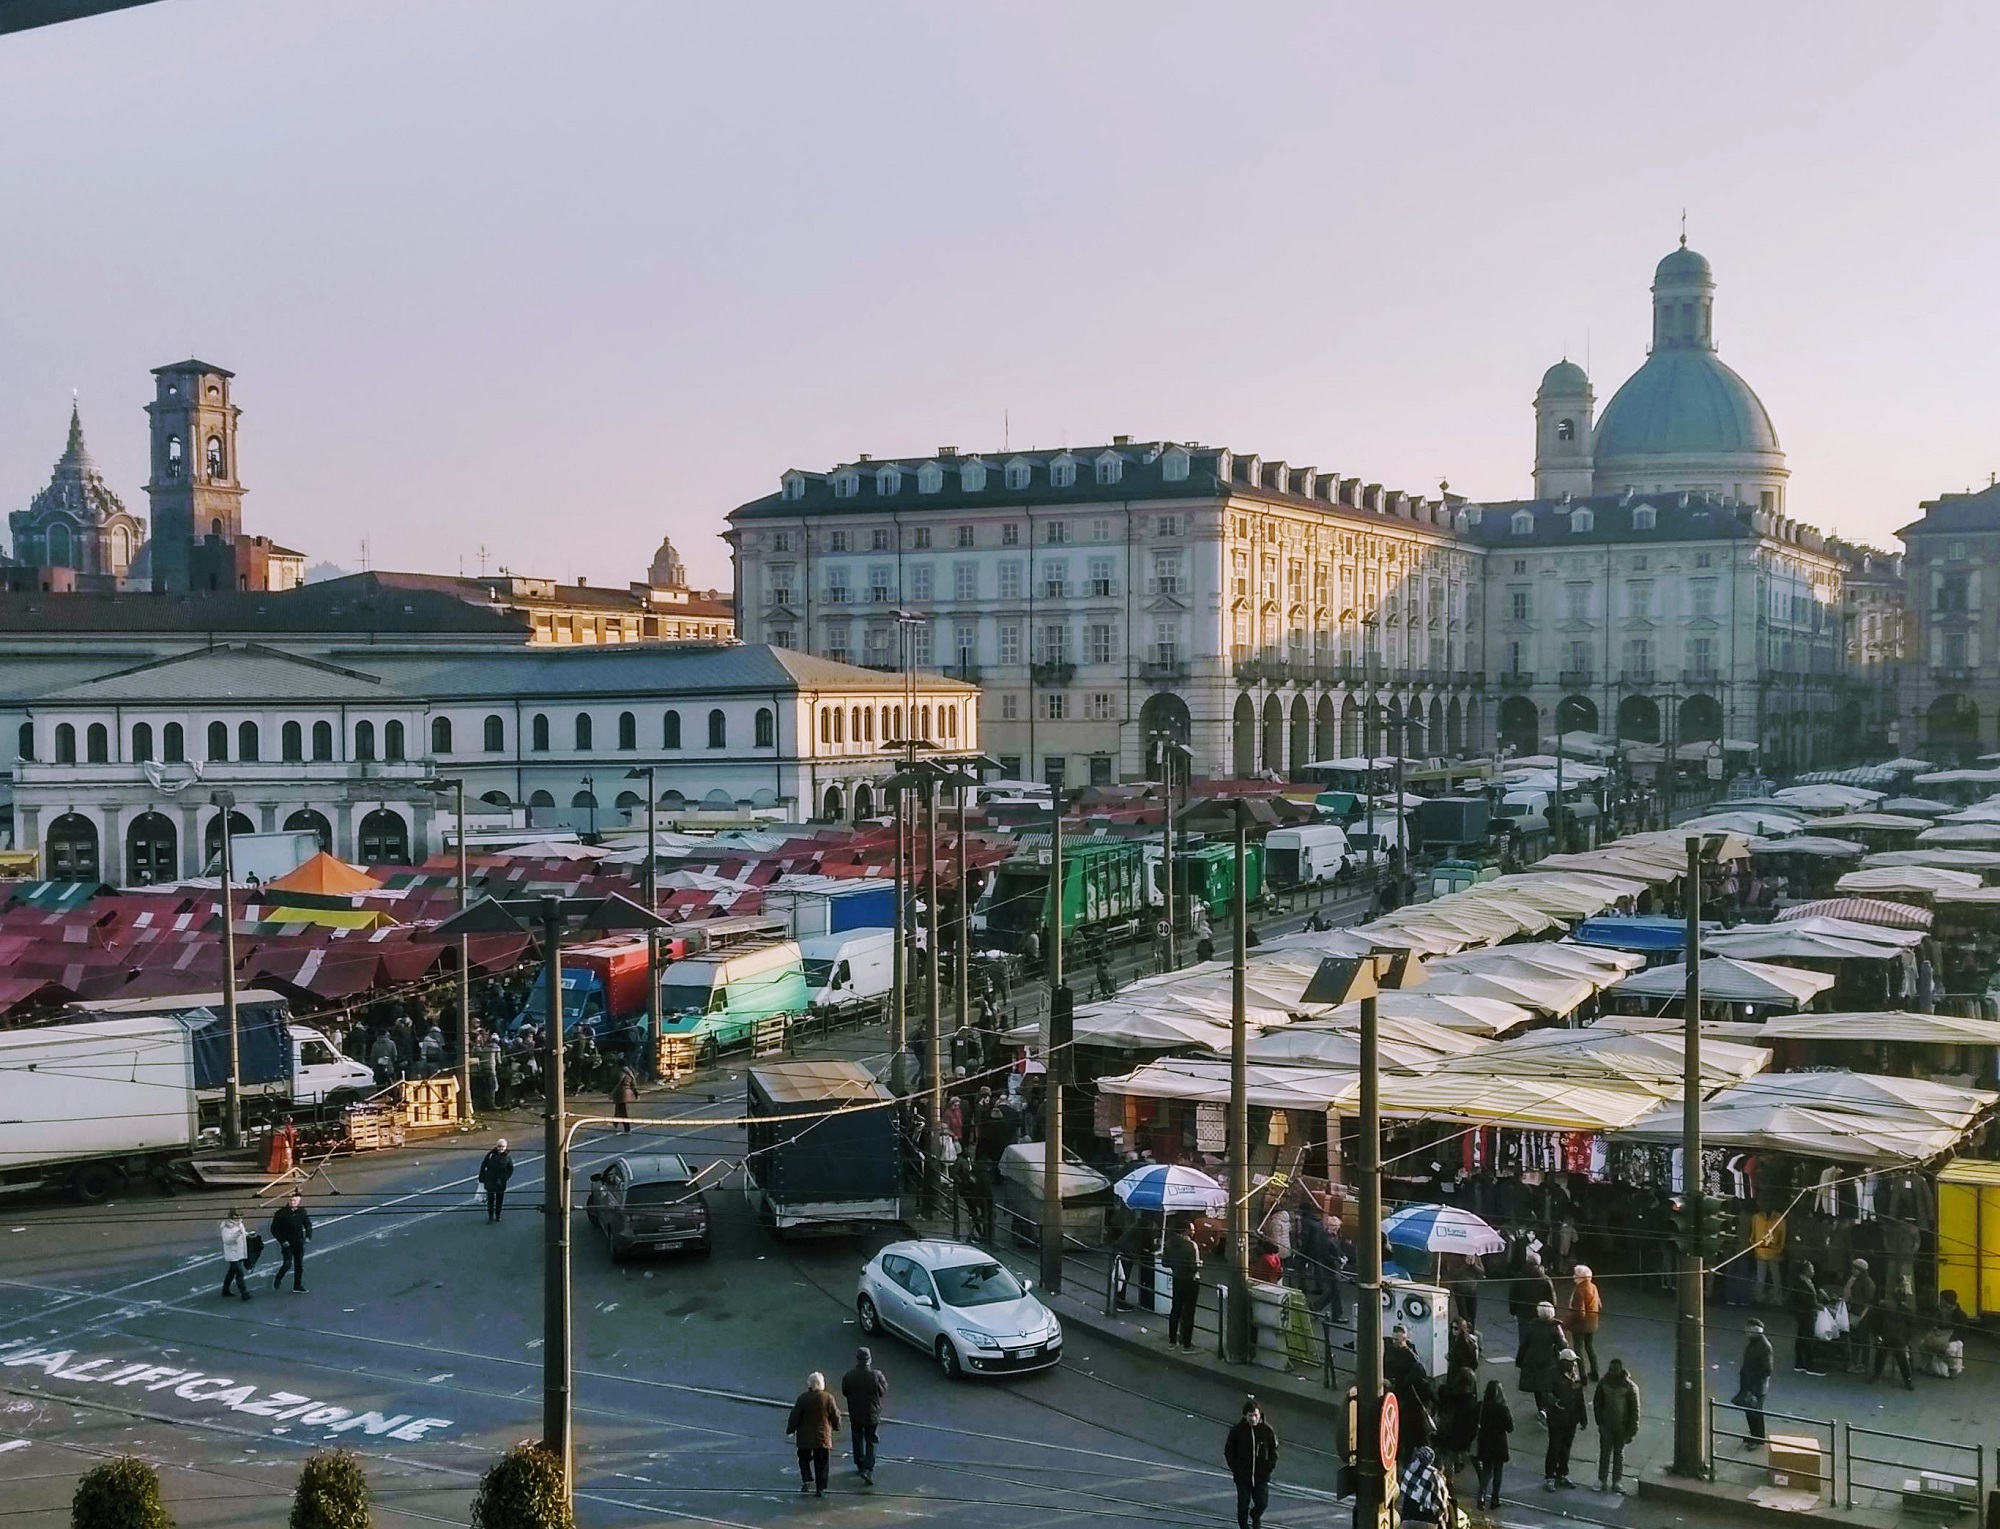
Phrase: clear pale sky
{"type": "Point", "coordinates": [556, 279]}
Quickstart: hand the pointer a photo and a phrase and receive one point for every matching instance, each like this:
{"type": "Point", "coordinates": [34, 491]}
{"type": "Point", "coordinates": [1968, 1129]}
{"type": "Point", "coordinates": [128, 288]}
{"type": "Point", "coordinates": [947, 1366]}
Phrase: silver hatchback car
{"type": "Point", "coordinates": [959, 1305]}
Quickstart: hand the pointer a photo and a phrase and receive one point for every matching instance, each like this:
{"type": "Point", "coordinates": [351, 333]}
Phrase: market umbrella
{"type": "Point", "coordinates": [1170, 1187]}
{"type": "Point", "coordinates": [1441, 1229]}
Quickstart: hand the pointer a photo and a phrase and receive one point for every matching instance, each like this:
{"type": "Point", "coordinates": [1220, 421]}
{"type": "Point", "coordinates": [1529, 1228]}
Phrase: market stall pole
{"type": "Point", "coordinates": [1690, 1336]}
{"type": "Point", "coordinates": [1055, 1055]}
{"type": "Point", "coordinates": [933, 1019]}
{"type": "Point", "coordinates": [1168, 746]}
{"type": "Point", "coordinates": [456, 787]}
{"type": "Point", "coordinates": [232, 1124]}
{"type": "Point", "coordinates": [649, 774]}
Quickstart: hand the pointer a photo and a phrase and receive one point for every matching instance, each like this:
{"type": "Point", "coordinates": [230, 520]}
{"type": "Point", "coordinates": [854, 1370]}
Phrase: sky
{"type": "Point", "coordinates": [534, 285]}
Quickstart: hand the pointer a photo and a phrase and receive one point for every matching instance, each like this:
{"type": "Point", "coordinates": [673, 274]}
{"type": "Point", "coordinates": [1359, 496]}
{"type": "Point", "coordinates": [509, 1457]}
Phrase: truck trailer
{"type": "Point", "coordinates": [1103, 891]}
{"type": "Point", "coordinates": [825, 1152]}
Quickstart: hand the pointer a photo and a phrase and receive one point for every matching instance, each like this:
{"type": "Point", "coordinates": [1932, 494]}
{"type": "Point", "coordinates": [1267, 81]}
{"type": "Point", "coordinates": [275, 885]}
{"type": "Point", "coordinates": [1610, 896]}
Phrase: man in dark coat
{"type": "Point", "coordinates": [1251, 1453]}
{"type": "Point", "coordinates": [1528, 1290]}
{"type": "Point", "coordinates": [495, 1169]}
{"type": "Point", "coordinates": [1616, 1409]}
{"type": "Point", "coordinates": [866, 1391]}
{"type": "Point", "coordinates": [1802, 1296]}
{"type": "Point", "coordinates": [1541, 1353]}
{"type": "Point", "coordinates": [292, 1229]}
{"type": "Point", "coordinates": [1567, 1412]}
{"type": "Point", "coordinates": [1183, 1261]}
{"type": "Point", "coordinates": [1753, 1380]}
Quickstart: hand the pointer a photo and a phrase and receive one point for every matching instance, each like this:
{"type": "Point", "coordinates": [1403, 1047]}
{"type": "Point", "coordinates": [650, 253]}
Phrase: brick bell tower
{"type": "Point", "coordinates": [194, 489]}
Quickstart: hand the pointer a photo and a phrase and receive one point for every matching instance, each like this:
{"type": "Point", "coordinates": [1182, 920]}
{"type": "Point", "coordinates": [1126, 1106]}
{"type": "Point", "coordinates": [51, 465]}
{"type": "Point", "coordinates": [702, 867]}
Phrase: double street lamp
{"type": "Point", "coordinates": [456, 786]}
{"type": "Point", "coordinates": [225, 804]}
{"type": "Point", "coordinates": [551, 919]}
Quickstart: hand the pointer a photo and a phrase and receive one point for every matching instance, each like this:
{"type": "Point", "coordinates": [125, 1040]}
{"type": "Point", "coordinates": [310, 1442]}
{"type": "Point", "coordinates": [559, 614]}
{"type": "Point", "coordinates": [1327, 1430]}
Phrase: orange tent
{"type": "Point", "coordinates": [326, 876]}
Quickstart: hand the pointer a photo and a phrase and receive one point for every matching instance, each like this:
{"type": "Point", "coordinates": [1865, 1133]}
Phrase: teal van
{"type": "Point", "coordinates": [717, 999]}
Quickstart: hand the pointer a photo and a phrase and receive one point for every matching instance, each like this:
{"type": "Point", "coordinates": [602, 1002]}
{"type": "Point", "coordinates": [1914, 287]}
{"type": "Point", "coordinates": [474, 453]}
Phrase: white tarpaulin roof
{"type": "Point", "coordinates": [1915, 806]}
{"type": "Point", "coordinates": [1568, 894]}
{"type": "Point", "coordinates": [1872, 911]}
{"type": "Point", "coordinates": [1887, 822]}
{"type": "Point", "coordinates": [1788, 1123]}
{"type": "Point", "coordinates": [1469, 1014]}
{"type": "Point", "coordinates": [1640, 1059]}
{"type": "Point", "coordinates": [1724, 980]}
{"type": "Point", "coordinates": [1920, 879]}
{"type": "Point", "coordinates": [1949, 859]}
{"type": "Point", "coordinates": [1320, 1046]}
{"type": "Point", "coordinates": [1827, 797]}
{"type": "Point", "coordinates": [1788, 942]}
{"type": "Point", "coordinates": [1750, 822]}
{"type": "Point", "coordinates": [1901, 935]}
{"type": "Point", "coordinates": [1883, 1025]}
{"type": "Point", "coordinates": [1809, 844]}
{"type": "Point", "coordinates": [1547, 991]}
{"type": "Point", "coordinates": [1961, 833]}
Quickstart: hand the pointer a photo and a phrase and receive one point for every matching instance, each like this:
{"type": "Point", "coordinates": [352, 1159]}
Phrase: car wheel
{"type": "Point", "coordinates": [868, 1316]}
{"type": "Point", "coordinates": [947, 1358]}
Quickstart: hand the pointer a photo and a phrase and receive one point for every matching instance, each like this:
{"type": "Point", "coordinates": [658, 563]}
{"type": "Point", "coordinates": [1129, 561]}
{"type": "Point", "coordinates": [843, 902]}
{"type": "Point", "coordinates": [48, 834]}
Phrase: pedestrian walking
{"type": "Point", "coordinates": [1423, 1494]}
{"type": "Point", "coordinates": [1893, 1323]}
{"type": "Point", "coordinates": [1616, 1409]}
{"type": "Point", "coordinates": [1860, 1296]}
{"type": "Point", "coordinates": [1566, 1414]}
{"type": "Point", "coordinates": [814, 1421]}
{"type": "Point", "coordinates": [1753, 1380]}
{"type": "Point", "coordinates": [1586, 1310]}
{"type": "Point", "coordinates": [1457, 1420]}
{"type": "Point", "coordinates": [495, 1169]}
{"type": "Point", "coordinates": [292, 1229]}
{"type": "Point", "coordinates": [866, 1391]}
{"type": "Point", "coordinates": [1134, 1247]}
{"type": "Point", "coordinates": [1462, 1351]}
{"type": "Point", "coordinates": [235, 1253]}
{"type": "Point", "coordinates": [1541, 1358]}
{"type": "Point", "coordinates": [624, 1094]}
{"type": "Point", "coordinates": [1490, 1451]}
{"type": "Point", "coordinates": [1528, 1290]}
{"type": "Point", "coordinates": [1183, 1261]}
{"type": "Point", "coordinates": [1802, 1296]}
{"type": "Point", "coordinates": [1251, 1453]}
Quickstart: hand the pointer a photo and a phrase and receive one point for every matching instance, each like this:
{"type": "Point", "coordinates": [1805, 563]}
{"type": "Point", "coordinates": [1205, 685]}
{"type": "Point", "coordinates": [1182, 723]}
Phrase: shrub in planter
{"type": "Point", "coordinates": [119, 1494]}
{"type": "Point", "coordinates": [332, 1494]}
{"type": "Point", "coordinates": [523, 1491]}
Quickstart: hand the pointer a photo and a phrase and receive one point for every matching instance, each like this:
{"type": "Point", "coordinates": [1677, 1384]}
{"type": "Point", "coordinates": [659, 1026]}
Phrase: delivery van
{"type": "Point", "coordinates": [1305, 857]}
{"type": "Point", "coordinates": [716, 1000]}
{"type": "Point", "coordinates": [855, 969]}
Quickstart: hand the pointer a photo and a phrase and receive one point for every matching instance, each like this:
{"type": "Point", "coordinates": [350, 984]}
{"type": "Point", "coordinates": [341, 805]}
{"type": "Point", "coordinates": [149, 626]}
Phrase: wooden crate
{"type": "Point", "coordinates": [370, 1128]}
{"type": "Point", "coordinates": [678, 1055]}
{"type": "Point", "coordinates": [428, 1103]}
{"type": "Point", "coordinates": [771, 1035]}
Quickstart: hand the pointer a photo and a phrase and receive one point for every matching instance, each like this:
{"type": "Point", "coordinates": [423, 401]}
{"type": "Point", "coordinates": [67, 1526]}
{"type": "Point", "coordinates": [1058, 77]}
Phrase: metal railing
{"type": "Point", "coordinates": [1756, 1464]}
{"type": "Point", "coordinates": [1885, 1477]}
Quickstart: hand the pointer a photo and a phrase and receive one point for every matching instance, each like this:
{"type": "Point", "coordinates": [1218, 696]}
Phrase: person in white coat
{"type": "Point", "coordinates": [235, 1253]}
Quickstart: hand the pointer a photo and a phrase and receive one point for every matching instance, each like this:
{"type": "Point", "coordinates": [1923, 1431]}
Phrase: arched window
{"type": "Point", "coordinates": [868, 724]}
{"type": "Point", "coordinates": [58, 545]}
{"type": "Point", "coordinates": [97, 744]}
{"type": "Point", "coordinates": [322, 741]}
{"type": "Point", "coordinates": [173, 456]}
{"type": "Point", "coordinates": [541, 799]}
{"type": "Point", "coordinates": [24, 742]}
{"type": "Point", "coordinates": [628, 730]}
{"type": "Point", "coordinates": [538, 731]}
{"type": "Point", "coordinates": [305, 820]}
{"type": "Point", "coordinates": [218, 740]}
{"type": "Point", "coordinates": [173, 744]}
{"type": "Point", "coordinates": [855, 724]}
{"type": "Point", "coordinates": [718, 729]}
{"type": "Point", "coordinates": [826, 724]}
{"type": "Point", "coordinates": [767, 728]}
{"type": "Point", "coordinates": [291, 743]}
{"type": "Point", "coordinates": [440, 735]}
{"type": "Point", "coordinates": [364, 741]}
{"type": "Point", "coordinates": [586, 800]}
{"type": "Point", "coordinates": [65, 743]}
{"type": "Point", "coordinates": [121, 549]}
{"type": "Point", "coordinates": [142, 742]}
{"type": "Point", "coordinates": [496, 735]}
{"type": "Point", "coordinates": [70, 848]}
{"type": "Point", "coordinates": [495, 799]}
{"type": "Point", "coordinates": [670, 730]}
{"type": "Point", "coordinates": [215, 463]}
{"type": "Point", "coordinates": [392, 741]}
{"type": "Point", "coordinates": [211, 839]}
{"type": "Point", "coordinates": [1565, 429]}
{"type": "Point", "coordinates": [839, 726]}
{"type": "Point", "coordinates": [384, 839]}
{"type": "Point", "coordinates": [246, 741]}
{"type": "Point", "coordinates": [582, 732]}
{"type": "Point", "coordinates": [152, 849]}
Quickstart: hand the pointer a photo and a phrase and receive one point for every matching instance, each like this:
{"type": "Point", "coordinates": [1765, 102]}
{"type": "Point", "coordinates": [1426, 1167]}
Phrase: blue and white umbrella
{"type": "Point", "coordinates": [1171, 1188]}
{"type": "Point", "coordinates": [1441, 1229]}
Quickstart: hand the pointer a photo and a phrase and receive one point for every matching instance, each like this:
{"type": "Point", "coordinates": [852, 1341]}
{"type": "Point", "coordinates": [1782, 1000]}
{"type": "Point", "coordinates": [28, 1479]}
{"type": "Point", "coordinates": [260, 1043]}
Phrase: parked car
{"type": "Point", "coordinates": [649, 1201]}
{"type": "Point", "coordinates": [959, 1305]}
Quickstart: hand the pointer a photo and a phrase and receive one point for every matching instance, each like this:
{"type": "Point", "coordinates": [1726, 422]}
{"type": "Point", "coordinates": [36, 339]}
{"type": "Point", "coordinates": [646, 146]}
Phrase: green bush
{"type": "Point", "coordinates": [523, 1491]}
{"type": "Point", "coordinates": [119, 1494]}
{"type": "Point", "coordinates": [332, 1494]}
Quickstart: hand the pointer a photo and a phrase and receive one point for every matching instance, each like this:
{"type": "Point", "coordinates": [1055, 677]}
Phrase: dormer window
{"type": "Point", "coordinates": [889, 480]}
{"type": "Point", "coordinates": [930, 478]}
{"type": "Point", "coordinates": [1174, 465]}
{"type": "Point", "coordinates": [1580, 521]}
{"type": "Point", "coordinates": [793, 485]}
{"type": "Point", "coordinates": [1110, 467]}
{"type": "Point", "coordinates": [1062, 472]}
{"type": "Point", "coordinates": [972, 477]}
{"type": "Point", "coordinates": [1524, 523]}
{"type": "Point", "coordinates": [1018, 472]}
{"type": "Point", "coordinates": [1645, 517]}
{"type": "Point", "coordinates": [846, 483]}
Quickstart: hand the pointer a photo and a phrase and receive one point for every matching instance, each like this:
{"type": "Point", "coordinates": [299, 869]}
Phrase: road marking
{"type": "Point", "coordinates": [13, 1444]}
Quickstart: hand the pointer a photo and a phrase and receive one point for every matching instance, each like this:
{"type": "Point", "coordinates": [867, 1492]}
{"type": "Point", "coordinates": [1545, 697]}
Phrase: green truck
{"type": "Point", "coordinates": [1104, 892]}
{"type": "Point", "coordinates": [1206, 874]}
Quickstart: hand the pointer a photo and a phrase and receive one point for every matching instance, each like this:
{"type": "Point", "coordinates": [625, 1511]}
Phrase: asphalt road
{"type": "Point", "coordinates": [418, 1344]}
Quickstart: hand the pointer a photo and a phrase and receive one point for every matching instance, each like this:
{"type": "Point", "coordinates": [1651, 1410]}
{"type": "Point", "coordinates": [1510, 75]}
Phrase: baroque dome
{"type": "Point", "coordinates": [1683, 402]}
{"type": "Point", "coordinates": [76, 488]}
{"type": "Point", "coordinates": [1565, 377]}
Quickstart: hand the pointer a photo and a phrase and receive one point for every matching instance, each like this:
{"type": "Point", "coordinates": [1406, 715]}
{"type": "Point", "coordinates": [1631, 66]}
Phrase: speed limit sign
{"type": "Point", "coordinates": [1389, 1432]}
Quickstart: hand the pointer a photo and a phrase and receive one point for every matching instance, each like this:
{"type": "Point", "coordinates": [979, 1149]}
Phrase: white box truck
{"type": "Point", "coordinates": [1307, 856]}
{"type": "Point", "coordinates": [851, 971]}
{"type": "Point", "coordinates": [97, 1105]}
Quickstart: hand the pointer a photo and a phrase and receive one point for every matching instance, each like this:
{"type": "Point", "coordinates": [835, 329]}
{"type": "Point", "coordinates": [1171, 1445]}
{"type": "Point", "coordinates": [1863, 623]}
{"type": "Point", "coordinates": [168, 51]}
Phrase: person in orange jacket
{"type": "Point", "coordinates": [1586, 1309]}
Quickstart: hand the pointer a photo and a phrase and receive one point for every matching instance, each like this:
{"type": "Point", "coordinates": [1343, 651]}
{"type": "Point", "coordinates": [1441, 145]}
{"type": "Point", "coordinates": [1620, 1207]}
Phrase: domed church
{"type": "Point", "coordinates": [1683, 422]}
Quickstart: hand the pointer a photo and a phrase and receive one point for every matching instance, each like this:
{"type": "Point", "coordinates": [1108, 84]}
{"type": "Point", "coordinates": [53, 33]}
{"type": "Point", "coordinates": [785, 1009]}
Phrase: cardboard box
{"type": "Point", "coordinates": [1796, 1462]}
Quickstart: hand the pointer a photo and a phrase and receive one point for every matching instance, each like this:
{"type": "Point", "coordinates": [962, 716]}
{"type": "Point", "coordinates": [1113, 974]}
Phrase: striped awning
{"type": "Point", "coordinates": [1862, 910]}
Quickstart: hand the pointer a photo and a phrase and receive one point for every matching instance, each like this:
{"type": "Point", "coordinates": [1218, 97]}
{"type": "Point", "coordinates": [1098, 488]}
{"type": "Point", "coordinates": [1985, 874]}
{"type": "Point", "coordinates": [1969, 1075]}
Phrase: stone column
{"type": "Point", "coordinates": [420, 831]}
{"type": "Point", "coordinates": [28, 828]}
{"type": "Point", "coordinates": [343, 830]}
{"type": "Point", "coordinates": [267, 816]}
{"type": "Point", "coordinates": [111, 847]}
{"type": "Point", "coordinates": [190, 839]}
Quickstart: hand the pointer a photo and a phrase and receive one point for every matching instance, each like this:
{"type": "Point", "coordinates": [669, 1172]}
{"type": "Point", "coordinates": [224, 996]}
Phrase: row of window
{"type": "Point", "coordinates": [1106, 468]}
{"type": "Point", "coordinates": [857, 724]}
{"type": "Point", "coordinates": [292, 738]}
{"type": "Point", "coordinates": [1055, 533]}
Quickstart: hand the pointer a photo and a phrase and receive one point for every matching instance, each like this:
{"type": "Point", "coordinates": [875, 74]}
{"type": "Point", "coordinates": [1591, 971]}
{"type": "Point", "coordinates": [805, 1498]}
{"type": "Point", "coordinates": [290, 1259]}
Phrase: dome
{"type": "Point", "coordinates": [76, 489]}
{"type": "Point", "coordinates": [1683, 402]}
{"type": "Point", "coordinates": [1682, 266]}
{"type": "Point", "coordinates": [1565, 377]}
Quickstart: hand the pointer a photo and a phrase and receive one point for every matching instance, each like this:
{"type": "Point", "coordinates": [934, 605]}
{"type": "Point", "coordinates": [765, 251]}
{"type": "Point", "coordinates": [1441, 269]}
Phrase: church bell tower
{"type": "Point", "coordinates": [194, 489]}
{"type": "Point", "coordinates": [1564, 404]}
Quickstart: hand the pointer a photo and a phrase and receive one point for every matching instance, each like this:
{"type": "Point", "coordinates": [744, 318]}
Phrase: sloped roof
{"type": "Point", "coordinates": [240, 673]}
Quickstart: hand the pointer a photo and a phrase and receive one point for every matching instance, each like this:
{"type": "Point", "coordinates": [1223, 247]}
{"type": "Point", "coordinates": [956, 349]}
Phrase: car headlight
{"type": "Point", "coordinates": [978, 1339]}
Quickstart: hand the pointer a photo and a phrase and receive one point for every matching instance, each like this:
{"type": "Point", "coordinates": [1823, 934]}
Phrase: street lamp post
{"type": "Point", "coordinates": [225, 803]}
{"type": "Point", "coordinates": [457, 788]}
{"type": "Point", "coordinates": [1169, 746]}
{"type": "Point", "coordinates": [590, 790]}
{"type": "Point", "coordinates": [647, 774]}
{"type": "Point", "coordinates": [551, 918]}
{"type": "Point", "coordinates": [1055, 1057]}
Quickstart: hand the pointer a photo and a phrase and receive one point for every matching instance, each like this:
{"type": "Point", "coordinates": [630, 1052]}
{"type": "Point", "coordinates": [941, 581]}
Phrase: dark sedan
{"type": "Point", "coordinates": [649, 1202]}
